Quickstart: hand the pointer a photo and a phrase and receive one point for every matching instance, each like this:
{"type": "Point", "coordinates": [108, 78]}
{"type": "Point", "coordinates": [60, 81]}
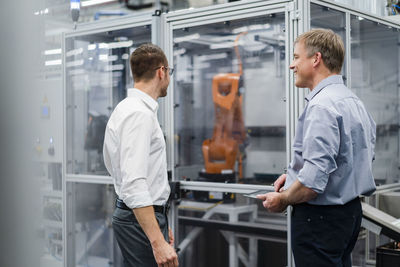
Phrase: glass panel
{"type": "Point", "coordinates": [229, 92]}
{"type": "Point", "coordinates": [91, 239]}
{"type": "Point", "coordinates": [51, 200]}
{"type": "Point", "coordinates": [327, 18]}
{"type": "Point", "coordinates": [375, 79]}
{"type": "Point", "coordinates": [230, 126]}
{"type": "Point", "coordinates": [97, 76]}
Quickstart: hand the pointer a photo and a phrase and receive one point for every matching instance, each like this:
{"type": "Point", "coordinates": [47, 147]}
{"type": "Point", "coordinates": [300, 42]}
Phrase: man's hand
{"type": "Point", "coordinates": [295, 194]}
{"type": "Point", "coordinates": [164, 254]}
{"type": "Point", "coordinates": [279, 183]}
{"type": "Point", "coordinates": [171, 237]}
{"type": "Point", "coordinates": [274, 202]}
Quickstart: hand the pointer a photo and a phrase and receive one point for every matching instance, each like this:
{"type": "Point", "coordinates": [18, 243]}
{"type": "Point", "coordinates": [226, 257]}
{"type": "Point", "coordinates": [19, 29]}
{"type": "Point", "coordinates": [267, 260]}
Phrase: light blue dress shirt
{"type": "Point", "coordinates": [334, 145]}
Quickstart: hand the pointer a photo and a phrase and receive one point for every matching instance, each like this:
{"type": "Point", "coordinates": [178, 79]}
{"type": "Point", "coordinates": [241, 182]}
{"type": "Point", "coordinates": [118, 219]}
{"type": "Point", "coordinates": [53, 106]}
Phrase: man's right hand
{"type": "Point", "coordinates": [279, 183]}
{"type": "Point", "coordinates": [164, 254]}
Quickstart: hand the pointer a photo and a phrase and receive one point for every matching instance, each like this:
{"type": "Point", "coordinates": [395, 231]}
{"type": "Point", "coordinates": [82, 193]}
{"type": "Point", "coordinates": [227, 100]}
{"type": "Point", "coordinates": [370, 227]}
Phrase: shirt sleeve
{"type": "Point", "coordinates": [321, 141]}
{"type": "Point", "coordinates": [373, 136]}
{"type": "Point", "coordinates": [135, 138]}
{"type": "Point", "coordinates": [107, 146]}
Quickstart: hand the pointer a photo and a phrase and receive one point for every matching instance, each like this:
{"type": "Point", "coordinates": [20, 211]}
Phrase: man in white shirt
{"type": "Point", "coordinates": [135, 156]}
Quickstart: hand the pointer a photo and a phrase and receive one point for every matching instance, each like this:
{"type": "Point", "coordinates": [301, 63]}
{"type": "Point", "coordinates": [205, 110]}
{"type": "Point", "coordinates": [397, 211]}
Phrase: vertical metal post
{"type": "Point", "coordinates": [398, 91]}
{"type": "Point", "coordinates": [70, 224]}
{"type": "Point", "coordinates": [165, 42]}
{"type": "Point", "coordinates": [156, 39]}
{"type": "Point", "coordinates": [289, 109]}
{"type": "Point", "coordinates": [64, 161]}
{"type": "Point", "coordinates": [348, 49]}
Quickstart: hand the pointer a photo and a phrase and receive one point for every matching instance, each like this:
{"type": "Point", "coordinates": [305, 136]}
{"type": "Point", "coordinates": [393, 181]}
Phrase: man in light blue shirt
{"type": "Point", "coordinates": [332, 157]}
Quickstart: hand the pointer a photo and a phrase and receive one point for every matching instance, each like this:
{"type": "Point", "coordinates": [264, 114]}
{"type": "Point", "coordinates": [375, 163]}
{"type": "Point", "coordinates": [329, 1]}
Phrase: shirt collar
{"type": "Point", "coordinates": [325, 82]}
{"type": "Point", "coordinates": [148, 100]}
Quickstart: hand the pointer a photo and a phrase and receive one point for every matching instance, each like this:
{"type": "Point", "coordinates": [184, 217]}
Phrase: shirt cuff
{"type": "Point", "coordinates": [136, 194]}
{"type": "Point", "coordinates": [312, 177]}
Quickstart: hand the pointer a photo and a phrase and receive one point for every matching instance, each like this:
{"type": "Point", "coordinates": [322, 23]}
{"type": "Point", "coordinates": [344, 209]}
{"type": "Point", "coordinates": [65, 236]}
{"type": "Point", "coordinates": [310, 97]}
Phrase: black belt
{"type": "Point", "coordinates": [160, 209]}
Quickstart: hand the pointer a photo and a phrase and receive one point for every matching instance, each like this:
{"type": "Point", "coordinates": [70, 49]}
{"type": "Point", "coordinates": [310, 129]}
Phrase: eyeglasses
{"type": "Point", "coordinates": [170, 70]}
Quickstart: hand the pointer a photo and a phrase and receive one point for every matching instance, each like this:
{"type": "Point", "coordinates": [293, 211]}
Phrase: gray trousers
{"type": "Point", "coordinates": [133, 242]}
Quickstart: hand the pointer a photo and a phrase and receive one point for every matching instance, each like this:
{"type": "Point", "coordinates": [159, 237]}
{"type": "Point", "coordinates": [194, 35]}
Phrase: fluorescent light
{"type": "Point", "coordinates": [103, 45]}
{"type": "Point", "coordinates": [240, 29]}
{"type": "Point", "coordinates": [74, 52]}
{"type": "Point", "coordinates": [222, 45]}
{"type": "Point", "coordinates": [125, 56]}
{"type": "Point", "coordinates": [120, 44]}
{"type": "Point", "coordinates": [52, 52]}
{"type": "Point", "coordinates": [74, 63]}
{"type": "Point", "coordinates": [213, 56]}
{"type": "Point", "coordinates": [114, 67]}
{"type": "Point", "coordinates": [204, 65]}
{"type": "Point", "coordinates": [42, 12]}
{"type": "Point", "coordinates": [259, 27]}
{"type": "Point", "coordinates": [105, 57]}
{"type": "Point", "coordinates": [77, 72]}
{"type": "Point", "coordinates": [91, 47]}
{"type": "Point", "coordinates": [116, 44]}
{"type": "Point", "coordinates": [53, 62]}
{"type": "Point", "coordinates": [251, 28]}
{"type": "Point", "coordinates": [75, 5]}
{"type": "Point", "coordinates": [187, 38]}
{"type": "Point", "coordinates": [179, 52]}
{"type": "Point", "coordinates": [95, 2]}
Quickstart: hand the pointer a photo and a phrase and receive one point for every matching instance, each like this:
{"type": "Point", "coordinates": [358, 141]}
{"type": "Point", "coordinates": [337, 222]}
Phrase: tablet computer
{"type": "Point", "coordinates": [255, 193]}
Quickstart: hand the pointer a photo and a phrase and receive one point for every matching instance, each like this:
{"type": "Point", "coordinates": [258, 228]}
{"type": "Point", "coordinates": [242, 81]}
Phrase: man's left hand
{"type": "Point", "coordinates": [273, 201]}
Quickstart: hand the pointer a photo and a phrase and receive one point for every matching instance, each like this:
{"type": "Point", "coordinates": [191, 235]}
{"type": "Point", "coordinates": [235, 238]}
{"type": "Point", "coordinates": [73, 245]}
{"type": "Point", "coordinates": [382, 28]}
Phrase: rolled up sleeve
{"type": "Point", "coordinates": [320, 147]}
{"type": "Point", "coordinates": [135, 153]}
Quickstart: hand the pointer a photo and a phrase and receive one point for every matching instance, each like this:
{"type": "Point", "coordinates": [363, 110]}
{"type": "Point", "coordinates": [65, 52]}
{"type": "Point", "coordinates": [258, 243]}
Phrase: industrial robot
{"type": "Point", "coordinates": [221, 151]}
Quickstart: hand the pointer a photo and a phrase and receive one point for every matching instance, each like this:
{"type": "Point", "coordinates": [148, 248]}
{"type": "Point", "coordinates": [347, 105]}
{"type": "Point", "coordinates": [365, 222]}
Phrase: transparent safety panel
{"type": "Point", "coordinates": [230, 127]}
{"type": "Point", "coordinates": [51, 210]}
{"type": "Point", "coordinates": [229, 100]}
{"type": "Point", "coordinates": [91, 240]}
{"type": "Point", "coordinates": [327, 18]}
{"type": "Point", "coordinates": [97, 75]}
{"type": "Point", "coordinates": [375, 79]}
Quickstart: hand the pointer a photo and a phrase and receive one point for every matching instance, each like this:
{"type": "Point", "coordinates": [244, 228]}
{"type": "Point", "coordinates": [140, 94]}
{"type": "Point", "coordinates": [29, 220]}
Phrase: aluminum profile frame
{"type": "Point", "coordinates": [178, 20]}
{"type": "Point", "coordinates": [68, 179]}
{"type": "Point", "coordinates": [221, 13]}
{"type": "Point", "coordinates": [297, 19]}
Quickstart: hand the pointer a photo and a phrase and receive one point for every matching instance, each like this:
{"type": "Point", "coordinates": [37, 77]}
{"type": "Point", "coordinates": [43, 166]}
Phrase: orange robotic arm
{"type": "Point", "coordinates": [222, 150]}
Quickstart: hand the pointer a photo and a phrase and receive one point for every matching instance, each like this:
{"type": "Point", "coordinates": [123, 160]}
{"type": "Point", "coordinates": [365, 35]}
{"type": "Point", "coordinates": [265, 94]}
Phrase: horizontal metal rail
{"type": "Point", "coordinates": [224, 187]}
{"type": "Point", "coordinates": [238, 227]}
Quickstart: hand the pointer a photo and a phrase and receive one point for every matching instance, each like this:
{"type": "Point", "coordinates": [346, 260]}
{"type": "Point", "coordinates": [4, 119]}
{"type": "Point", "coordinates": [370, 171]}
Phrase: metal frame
{"type": "Point", "coordinates": [214, 14]}
{"type": "Point", "coordinates": [357, 12]}
{"type": "Point", "coordinates": [68, 179]}
{"type": "Point", "coordinates": [176, 20]}
{"type": "Point", "coordinates": [297, 20]}
{"type": "Point", "coordinates": [349, 11]}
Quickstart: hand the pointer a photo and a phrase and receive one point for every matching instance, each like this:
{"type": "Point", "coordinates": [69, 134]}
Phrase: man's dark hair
{"type": "Point", "coordinates": [145, 60]}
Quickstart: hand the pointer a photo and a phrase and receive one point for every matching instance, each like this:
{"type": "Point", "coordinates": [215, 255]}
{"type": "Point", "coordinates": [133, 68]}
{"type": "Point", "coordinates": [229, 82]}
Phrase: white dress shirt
{"type": "Point", "coordinates": [134, 152]}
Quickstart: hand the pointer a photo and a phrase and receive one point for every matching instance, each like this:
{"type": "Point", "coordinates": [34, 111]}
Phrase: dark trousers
{"type": "Point", "coordinates": [324, 236]}
{"type": "Point", "coordinates": [133, 242]}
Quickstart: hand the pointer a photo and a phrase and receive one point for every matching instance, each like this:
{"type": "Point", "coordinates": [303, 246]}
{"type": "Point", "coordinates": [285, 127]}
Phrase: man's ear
{"type": "Point", "coordinates": [160, 72]}
{"type": "Point", "coordinates": [317, 59]}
